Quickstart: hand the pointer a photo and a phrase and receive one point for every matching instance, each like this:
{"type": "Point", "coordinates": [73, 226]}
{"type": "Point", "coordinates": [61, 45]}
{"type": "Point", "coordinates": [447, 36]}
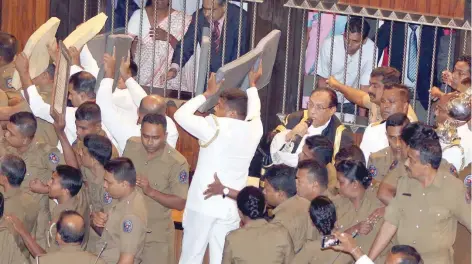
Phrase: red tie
{"type": "Point", "coordinates": [216, 35]}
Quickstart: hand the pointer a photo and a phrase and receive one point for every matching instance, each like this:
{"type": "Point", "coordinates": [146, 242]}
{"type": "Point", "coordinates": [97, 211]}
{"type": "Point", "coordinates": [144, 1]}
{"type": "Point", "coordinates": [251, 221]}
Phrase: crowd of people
{"type": "Point", "coordinates": [98, 183]}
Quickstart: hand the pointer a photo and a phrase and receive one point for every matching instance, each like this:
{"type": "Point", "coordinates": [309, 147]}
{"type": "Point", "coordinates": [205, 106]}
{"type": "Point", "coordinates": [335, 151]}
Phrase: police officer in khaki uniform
{"type": "Point", "coordinates": [256, 241]}
{"type": "Point", "coordinates": [124, 227]}
{"type": "Point", "coordinates": [41, 160]}
{"type": "Point", "coordinates": [17, 202]}
{"type": "Point", "coordinates": [71, 229]}
{"type": "Point", "coordinates": [10, 252]}
{"type": "Point", "coordinates": [428, 204]}
{"type": "Point", "coordinates": [9, 48]}
{"type": "Point", "coordinates": [163, 178]}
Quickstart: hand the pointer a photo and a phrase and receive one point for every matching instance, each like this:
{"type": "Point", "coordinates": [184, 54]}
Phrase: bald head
{"type": "Point", "coordinates": [152, 104]}
{"type": "Point", "coordinates": [70, 227]}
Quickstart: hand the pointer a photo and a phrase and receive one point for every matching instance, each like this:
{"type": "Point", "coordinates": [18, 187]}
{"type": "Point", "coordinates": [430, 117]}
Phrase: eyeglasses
{"type": "Point", "coordinates": [317, 107]}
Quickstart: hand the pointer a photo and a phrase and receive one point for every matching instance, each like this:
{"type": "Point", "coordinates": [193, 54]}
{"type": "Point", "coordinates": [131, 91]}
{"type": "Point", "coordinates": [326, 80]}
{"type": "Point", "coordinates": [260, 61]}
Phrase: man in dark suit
{"type": "Point", "coordinates": [218, 17]}
{"type": "Point", "coordinates": [425, 48]}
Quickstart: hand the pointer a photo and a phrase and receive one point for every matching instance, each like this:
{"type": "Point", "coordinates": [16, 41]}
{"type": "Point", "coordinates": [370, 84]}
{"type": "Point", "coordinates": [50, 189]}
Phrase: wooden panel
{"type": "Point", "coordinates": [442, 8]}
{"type": "Point", "coordinates": [22, 18]}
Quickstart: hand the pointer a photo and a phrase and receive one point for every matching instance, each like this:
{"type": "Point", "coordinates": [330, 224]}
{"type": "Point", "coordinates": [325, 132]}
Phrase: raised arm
{"type": "Point", "coordinates": [135, 90]}
{"type": "Point", "coordinates": [253, 100]}
{"type": "Point", "coordinates": [354, 95]}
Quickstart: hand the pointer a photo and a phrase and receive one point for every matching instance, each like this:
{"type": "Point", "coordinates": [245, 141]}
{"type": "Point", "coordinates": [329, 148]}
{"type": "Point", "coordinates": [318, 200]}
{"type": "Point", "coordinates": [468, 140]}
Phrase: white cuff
{"type": "Point", "coordinates": [364, 260]}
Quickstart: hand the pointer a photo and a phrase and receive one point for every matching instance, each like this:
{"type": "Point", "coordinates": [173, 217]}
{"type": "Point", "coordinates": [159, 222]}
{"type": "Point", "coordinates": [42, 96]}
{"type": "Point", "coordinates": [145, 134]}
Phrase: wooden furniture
{"type": "Point", "coordinates": [22, 18]}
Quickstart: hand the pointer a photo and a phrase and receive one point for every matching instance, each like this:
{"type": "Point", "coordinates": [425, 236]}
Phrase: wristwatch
{"type": "Point", "coordinates": [225, 192]}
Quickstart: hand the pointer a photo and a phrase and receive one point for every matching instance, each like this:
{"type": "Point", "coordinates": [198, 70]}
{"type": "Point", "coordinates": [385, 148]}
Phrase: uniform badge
{"type": "Point", "coordinates": [453, 170]}
{"type": "Point", "coordinates": [372, 171]}
{"type": "Point", "coordinates": [393, 165]}
{"type": "Point", "coordinates": [9, 83]}
{"type": "Point", "coordinates": [127, 226]}
{"type": "Point", "coordinates": [54, 158]}
{"type": "Point", "coordinates": [468, 181]}
{"type": "Point", "coordinates": [183, 177]}
{"type": "Point", "coordinates": [107, 198]}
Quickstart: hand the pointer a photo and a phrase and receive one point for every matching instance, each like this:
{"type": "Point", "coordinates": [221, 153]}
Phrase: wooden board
{"type": "Point", "coordinates": [86, 31]}
{"type": "Point", "coordinates": [61, 82]}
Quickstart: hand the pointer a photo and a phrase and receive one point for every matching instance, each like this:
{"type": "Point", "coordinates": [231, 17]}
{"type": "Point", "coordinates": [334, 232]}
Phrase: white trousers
{"type": "Point", "coordinates": [201, 230]}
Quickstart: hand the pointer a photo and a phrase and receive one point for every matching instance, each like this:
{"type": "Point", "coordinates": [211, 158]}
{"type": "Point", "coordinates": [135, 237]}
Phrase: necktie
{"type": "Point", "coordinates": [412, 55]}
{"type": "Point", "coordinates": [216, 35]}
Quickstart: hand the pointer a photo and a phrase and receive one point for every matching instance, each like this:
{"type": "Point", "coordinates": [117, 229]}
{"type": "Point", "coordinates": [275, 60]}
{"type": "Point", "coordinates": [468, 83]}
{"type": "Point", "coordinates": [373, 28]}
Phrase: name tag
{"type": "Point", "coordinates": [407, 194]}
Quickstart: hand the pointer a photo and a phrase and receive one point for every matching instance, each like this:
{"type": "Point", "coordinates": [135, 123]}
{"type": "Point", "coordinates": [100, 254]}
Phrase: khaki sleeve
{"type": "Point", "coordinates": [366, 101]}
{"type": "Point", "coordinates": [289, 253]}
{"type": "Point", "coordinates": [227, 253]}
{"type": "Point", "coordinates": [179, 180]}
{"type": "Point", "coordinates": [392, 212]}
{"type": "Point", "coordinates": [132, 234]}
{"type": "Point", "coordinates": [305, 254]}
{"type": "Point", "coordinates": [53, 157]}
{"type": "Point", "coordinates": [391, 178]}
{"type": "Point", "coordinates": [462, 208]}
{"type": "Point", "coordinates": [3, 99]}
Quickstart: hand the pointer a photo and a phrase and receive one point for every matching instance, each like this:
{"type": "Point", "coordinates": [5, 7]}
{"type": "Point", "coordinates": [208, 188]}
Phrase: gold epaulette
{"type": "Point", "coordinates": [376, 123]}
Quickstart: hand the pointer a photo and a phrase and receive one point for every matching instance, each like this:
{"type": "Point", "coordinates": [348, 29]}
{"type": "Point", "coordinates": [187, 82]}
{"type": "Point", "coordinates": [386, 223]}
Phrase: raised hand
{"type": "Point", "coordinates": [125, 71]}
{"type": "Point", "coordinates": [109, 62]}
{"type": "Point", "coordinates": [75, 55]}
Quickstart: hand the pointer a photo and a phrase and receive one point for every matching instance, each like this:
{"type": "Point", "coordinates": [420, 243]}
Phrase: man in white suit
{"type": "Point", "coordinates": [228, 141]}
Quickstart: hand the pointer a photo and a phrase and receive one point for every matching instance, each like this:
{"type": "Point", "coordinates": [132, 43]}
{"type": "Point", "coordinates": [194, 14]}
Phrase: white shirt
{"type": "Point", "coordinates": [122, 123]}
{"type": "Point", "coordinates": [291, 159]}
{"type": "Point", "coordinates": [339, 54]}
{"type": "Point", "coordinates": [453, 155]}
{"type": "Point", "coordinates": [466, 142]}
{"type": "Point", "coordinates": [232, 144]}
{"type": "Point", "coordinates": [364, 260]}
{"type": "Point", "coordinates": [190, 8]}
{"type": "Point", "coordinates": [374, 139]}
{"type": "Point", "coordinates": [88, 63]}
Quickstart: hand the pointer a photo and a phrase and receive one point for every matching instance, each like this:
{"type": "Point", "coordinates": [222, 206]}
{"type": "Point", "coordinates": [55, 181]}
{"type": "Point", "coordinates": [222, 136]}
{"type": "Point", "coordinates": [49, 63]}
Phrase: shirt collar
{"type": "Point", "coordinates": [12, 192]}
{"type": "Point", "coordinates": [288, 203]}
{"type": "Point", "coordinates": [318, 130]}
{"type": "Point", "coordinates": [70, 248]}
{"type": "Point", "coordinates": [256, 223]}
{"type": "Point", "coordinates": [126, 200]}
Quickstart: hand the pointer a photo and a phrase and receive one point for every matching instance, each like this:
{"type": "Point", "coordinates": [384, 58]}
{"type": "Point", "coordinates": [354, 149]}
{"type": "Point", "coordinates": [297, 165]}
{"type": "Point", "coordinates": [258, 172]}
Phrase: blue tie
{"type": "Point", "coordinates": [413, 55]}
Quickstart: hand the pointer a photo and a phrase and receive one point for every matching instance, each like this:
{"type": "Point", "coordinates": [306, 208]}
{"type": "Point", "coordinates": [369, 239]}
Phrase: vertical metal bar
{"type": "Point", "coordinates": [318, 37]}
{"type": "Point", "coordinates": [153, 28]}
{"type": "Point", "coordinates": [420, 33]}
{"type": "Point", "coordinates": [113, 6]}
{"type": "Point", "coordinates": [126, 16]}
{"type": "Point", "coordinates": [449, 54]}
{"type": "Point", "coordinates": [85, 10]}
{"type": "Point", "coordinates": [225, 25]}
{"type": "Point", "coordinates": [241, 3]}
{"type": "Point", "coordinates": [464, 48]}
{"type": "Point", "coordinates": [169, 22]}
{"type": "Point", "coordinates": [140, 39]}
{"type": "Point", "coordinates": [254, 21]}
{"type": "Point", "coordinates": [405, 53]}
{"type": "Point", "coordinates": [195, 43]}
{"type": "Point", "coordinates": [182, 48]}
{"type": "Point", "coordinates": [348, 31]}
{"type": "Point", "coordinates": [390, 43]}
{"type": "Point", "coordinates": [359, 69]}
{"type": "Point", "coordinates": [301, 67]}
{"type": "Point", "coordinates": [287, 45]}
{"type": "Point", "coordinates": [332, 45]}
{"type": "Point", "coordinates": [99, 6]}
{"type": "Point", "coordinates": [431, 79]}
{"type": "Point", "coordinates": [376, 38]}
{"type": "Point", "coordinates": [211, 39]}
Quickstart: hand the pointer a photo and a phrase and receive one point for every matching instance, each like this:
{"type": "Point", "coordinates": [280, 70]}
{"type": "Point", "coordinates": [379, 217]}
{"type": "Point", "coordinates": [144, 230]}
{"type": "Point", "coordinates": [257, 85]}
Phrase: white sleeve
{"type": "Point", "coordinates": [253, 104]}
{"type": "Point", "coordinates": [71, 129]}
{"type": "Point", "coordinates": [453, 155]}
{"type": "Point", "coordinates": [75, 69]}
{"type": "Point", "coordinates": [280, 157]}
{"type": "Point", "coordinates": [365, 145]}
{"type": "Point", "coordinates": [172, 132]}
{"type": "Point", "coordinates": [364, 260]}
{"type": "Point", "coordinates": [135, 90]}
{"type": "Point", "coordinates": [324, 58]}
{"type": "Point", "coordinates": [39, 108]}
{"type": "Point", "coordinates": [120, 125]}
{"type": "Point", "coordinates": [197, 126]}
{"type": "Point", "coordinates": [133, 23]}
{"type": "Point", "coordinates": [366, 71]}
{"type": "Point", "coordinates": [88, 62]}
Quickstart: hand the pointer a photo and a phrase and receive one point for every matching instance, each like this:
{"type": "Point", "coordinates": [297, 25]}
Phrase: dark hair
{"type": "Point", "coordinates": [51, 70]}
{"type": "Point", "coordinates": [155, 119]}
{"type": "Point", "coordinates": [355, 171]}
{"type": "Point", "coordinates": [333, 98]}
{"type": "Point", "coordinates": [316, 172]}
{"type": "Point", "coordinates": [251, 202]}
{"type": "Point", "coordinates": [323, 214]}
{"type": "Point", "coordinates": [14, 168]}
{"type": "Point", "coordinates": [465, 58]}
{"type": "Point", "coordinates": [133, 67]}
{"type": "Point", "coordinates": [84, 82]}
{"type": "Point", "coordinates": [235, 100]}
{"type": "Point", "coordinates": [355, 26]}
{"type": "Point", "coordinates": [122, 170]}
{"type": "Point", "coordinates": [418, 130]}
{"type": "Point", "coordinates": [26, 123]}
{"type": "Point", "coordinates": [389, 75]}
{"type": "Point", "coordinates": [397, 119]}
{"type": "Point", "coordinates": [351, 152]}
{"type": "Point", "coordinates": [71, 178]}
{"type": "Point", "coordinates": [409, 254]}
{"type": "Point", "coordinates": [282, 178]}
{"type": "Point", "coordinates": [68, 234]}
{"type": "Point", "coordinates": [466, 81]}
{"type": "Point", "coordinates": [8, 47]}
{"type": "Point", "coordinates": [321, 147]}
{"type": "Point", "coordinates": [430, 151]}
{"type": "Point", "coordinates": [99, 147]}
{"type": "Point", "coordinates": [2, 205]}
{"type": "Point", "coordinates": [404, 91]}
{"type": "Point", "coordinates": [89, 111]}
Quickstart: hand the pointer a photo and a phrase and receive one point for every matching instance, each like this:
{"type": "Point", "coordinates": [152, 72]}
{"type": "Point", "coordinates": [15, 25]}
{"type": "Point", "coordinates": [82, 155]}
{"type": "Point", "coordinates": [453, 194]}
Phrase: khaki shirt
{"type": "Point", "coordinates": [79, 144]}
{"type": "Point", "coordinates": [258, 242]}
{"type": "Point", "coordinates": [348, 216]}
{"type": "Point", "coordinates": [293, 215]}
{"type": "Point", "coordinates": [380, 163]}
{"type": "Point", "coordinates": [6, 76]}
{"type": "Point", "coordinates": [10, 252]}
{"type": "Point", "coordinates": [3, 99]}
{"type": "Point", "coordinates": [167, 173]}
{"type": "Point", "coordinates": [70, 254]}
{"type": "Point", "coordinates": [426, 218]}
{"type": "Point", "coordinates": [311, 253]}
{"type": "Point", "coordinates": [125, 229]}
{"type": "Point", "coordinates": [374, 111]}
{"type": "Point", "coordinates": [78, 203]}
